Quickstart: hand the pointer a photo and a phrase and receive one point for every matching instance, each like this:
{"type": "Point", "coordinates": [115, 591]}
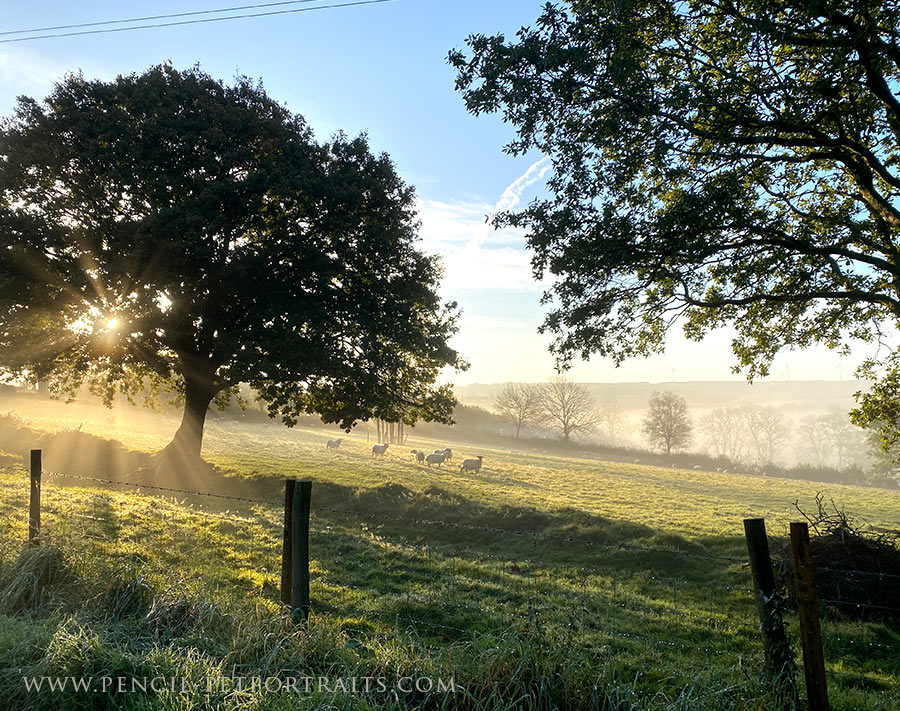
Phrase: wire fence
{"type": "Point", "coordinates": [588, 605]}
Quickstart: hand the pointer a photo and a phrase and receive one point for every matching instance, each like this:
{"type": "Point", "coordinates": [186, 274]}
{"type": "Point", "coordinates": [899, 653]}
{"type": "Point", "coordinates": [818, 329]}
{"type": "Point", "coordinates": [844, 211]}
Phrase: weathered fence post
{"type": "Point", "coordinates": [300, 551]}
{"type": "Point", "coordinates": [286, 584]}
{"type": "Point", "coordinates": [808, 615]}
{"type": "Point", "coordinates": [779, 659]}
{"type": "Point", "coordinates": [34, 507]}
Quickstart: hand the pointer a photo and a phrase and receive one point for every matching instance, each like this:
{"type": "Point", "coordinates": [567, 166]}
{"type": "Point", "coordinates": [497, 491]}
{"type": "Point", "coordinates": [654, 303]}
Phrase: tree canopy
{"type": "Point", "coordinates": [168, 230]}
{"type": "Point", "coordinates": [713, 163]}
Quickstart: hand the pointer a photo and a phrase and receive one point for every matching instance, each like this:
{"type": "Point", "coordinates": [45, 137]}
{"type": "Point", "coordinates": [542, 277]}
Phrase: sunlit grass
{"type": "Point", "coordinates": [633, 621]}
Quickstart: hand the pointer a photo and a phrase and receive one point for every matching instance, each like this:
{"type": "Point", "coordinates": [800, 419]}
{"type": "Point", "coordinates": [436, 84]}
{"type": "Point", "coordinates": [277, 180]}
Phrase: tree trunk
{"type": "Point", "coordinates": [188, 439]}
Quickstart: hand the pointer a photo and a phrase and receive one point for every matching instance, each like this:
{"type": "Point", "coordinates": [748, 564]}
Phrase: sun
{"type": "Point", "coordinates": [112, 323]}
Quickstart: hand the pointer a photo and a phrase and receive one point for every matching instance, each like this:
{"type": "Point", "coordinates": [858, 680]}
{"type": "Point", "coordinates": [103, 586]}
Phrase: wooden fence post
{"type": "Point", "coordinates": [300, 551]}
{"type": "Point", "coordinates": [34, 506]}
{"type": "Point", "coordinates": [779, 659]}
{"type": "Point", "coordinates": [808, 615]}
{"type": "Point", "coordinates": [286, 584]}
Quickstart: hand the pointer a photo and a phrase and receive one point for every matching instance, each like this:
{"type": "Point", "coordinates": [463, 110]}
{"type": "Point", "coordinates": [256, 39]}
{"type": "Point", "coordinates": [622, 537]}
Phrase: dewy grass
{"type": "Point", "coordinates": [32, 579]}
{"type": "Point", "coordinates": [190, 589]}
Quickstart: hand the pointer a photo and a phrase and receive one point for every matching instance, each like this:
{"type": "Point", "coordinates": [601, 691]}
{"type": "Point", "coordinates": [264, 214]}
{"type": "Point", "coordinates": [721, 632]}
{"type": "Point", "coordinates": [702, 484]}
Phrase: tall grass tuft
{"type": "Point", "coordinates": [30, 581]}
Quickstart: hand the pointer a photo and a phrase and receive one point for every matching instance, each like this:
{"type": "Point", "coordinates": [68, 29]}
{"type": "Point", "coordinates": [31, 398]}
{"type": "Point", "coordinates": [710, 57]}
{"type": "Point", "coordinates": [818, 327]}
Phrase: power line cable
{"type": "Point", "coordinates": [155, 17]}
{"type": "Point", "coordinates": [195, 22]}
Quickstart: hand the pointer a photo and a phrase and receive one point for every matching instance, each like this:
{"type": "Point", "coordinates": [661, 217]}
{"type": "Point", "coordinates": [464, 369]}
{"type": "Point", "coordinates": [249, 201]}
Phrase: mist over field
{"type": "Point", "coordinates": [799, 401]}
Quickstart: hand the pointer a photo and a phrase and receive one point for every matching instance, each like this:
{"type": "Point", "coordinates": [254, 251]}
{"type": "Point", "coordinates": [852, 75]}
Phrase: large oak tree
{"type": "Point", "coordinates": [165, 230]}
{"type": "Point", "coordinates": [714, 162]}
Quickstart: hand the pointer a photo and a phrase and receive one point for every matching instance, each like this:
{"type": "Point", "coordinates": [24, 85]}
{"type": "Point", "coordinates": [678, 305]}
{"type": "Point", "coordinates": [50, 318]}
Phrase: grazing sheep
{"type": "Point", "coordinates": [471, 465]}
{"type": "Point", "coordinates": [379, 449]}
{"type": "Point", "coordinates": [696, 466]}
{"type": "Point", "coordinates": [448, 454]}
{"type": "Point", "coordinates": [435, 458]}
{"type": "Point", "coordinates": [333, 443]}
{"type": "Point", "coordinates": [420, 456]}
{"type": "Point", "coordinates": [636, 461]}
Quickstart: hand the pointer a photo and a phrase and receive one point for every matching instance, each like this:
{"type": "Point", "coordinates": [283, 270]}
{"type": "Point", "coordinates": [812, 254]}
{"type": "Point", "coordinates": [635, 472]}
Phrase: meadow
{"type": "Point", "coordinates": [539, 582]}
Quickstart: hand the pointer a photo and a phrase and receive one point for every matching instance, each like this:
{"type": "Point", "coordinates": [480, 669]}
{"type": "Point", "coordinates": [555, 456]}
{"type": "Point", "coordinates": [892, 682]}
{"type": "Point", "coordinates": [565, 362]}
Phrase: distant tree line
{"type": "Point", "coordinates": [745, 435]}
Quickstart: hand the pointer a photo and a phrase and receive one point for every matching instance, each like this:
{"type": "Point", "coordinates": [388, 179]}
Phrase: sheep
{"type": "Point", "coordinates": [333, 443]}
{"type": "Point", "coordinates": [435, 458]}
{"type": "Point", "coordinates": [696, 466]}
{"type": "Point", "coordinates": [471, 465]}
{"type": "Point", "coordinates": [448, 454]}
{"type": "Point", "coordinates": [420, 456]}
{"type": "Point", "coordinates": [379, 449]}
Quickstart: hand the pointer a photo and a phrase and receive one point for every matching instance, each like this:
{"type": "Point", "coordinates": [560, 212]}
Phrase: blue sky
{"type": "Point", "coordinates": [382, 68]}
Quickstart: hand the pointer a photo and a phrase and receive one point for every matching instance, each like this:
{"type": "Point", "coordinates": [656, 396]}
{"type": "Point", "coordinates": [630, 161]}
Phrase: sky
{"type": "Point", "coordinates": [381, 68]}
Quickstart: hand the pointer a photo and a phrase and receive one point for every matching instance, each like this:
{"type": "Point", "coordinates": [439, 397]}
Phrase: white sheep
{"type": "Point", "coordinates": [420, 456]}
{"type": "Point", "coordinates": [471, 465]}
{"type": "Point", "coordinates": [448, 454]}
{"type": "Point", "coordinates": [435, 458]}
{"type": "Point", "coordinates": [696, 466]}
{"type": "Point", "coordinates": [333, 443]}
{"type": "Point", "coordinates": [379, 449]}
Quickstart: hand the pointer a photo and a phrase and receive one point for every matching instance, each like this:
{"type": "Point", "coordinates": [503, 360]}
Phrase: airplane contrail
{"type": "Point", "coordinates": [512, 196]}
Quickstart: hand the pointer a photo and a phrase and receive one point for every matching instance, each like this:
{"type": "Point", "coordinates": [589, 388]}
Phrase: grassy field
{"type": "Point", "coordinates": [540, 582]}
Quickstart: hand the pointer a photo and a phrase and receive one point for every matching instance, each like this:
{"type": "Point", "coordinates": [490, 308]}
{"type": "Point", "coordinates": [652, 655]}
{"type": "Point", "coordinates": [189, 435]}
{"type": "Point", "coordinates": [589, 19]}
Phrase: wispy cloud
{"type": "Point", "coordinates": [476, 256]}
{"type": "Point", "coordinates": [490, 322]}
{"type": "Point", "coordinates": [24, 73]}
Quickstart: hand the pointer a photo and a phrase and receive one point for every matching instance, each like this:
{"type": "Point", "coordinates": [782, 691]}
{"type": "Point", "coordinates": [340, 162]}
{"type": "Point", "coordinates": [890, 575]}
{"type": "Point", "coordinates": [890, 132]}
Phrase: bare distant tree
{"type": "Point", "coordinates": [769, 429]}
{"type": "Point", "coordinates": [668, 424]}
{"type": "Point", "coordinates": [520, 404]}
{"type": "Point", "coordinates": [848, 441]}
{"type": "Point", "coordinates": [568, 407]}
{"type": "Point", "coordinates": [814, 441]}
{"type": "Point", "coordinates": [725, 431]}
{"type": "Point", "coordinates": [610, 419]}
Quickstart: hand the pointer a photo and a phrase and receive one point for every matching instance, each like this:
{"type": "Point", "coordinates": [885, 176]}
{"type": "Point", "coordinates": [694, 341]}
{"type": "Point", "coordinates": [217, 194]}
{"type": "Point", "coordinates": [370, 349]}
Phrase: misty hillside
{"type": "Point", "coordinates": [798, 395]}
